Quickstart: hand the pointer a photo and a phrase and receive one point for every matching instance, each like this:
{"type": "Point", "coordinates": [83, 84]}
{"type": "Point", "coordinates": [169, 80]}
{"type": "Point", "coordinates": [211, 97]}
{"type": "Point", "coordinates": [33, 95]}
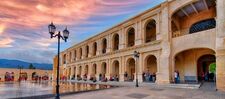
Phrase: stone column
{"type": "Point", "coordinates": [108, 64]}
{"type": "Point", "coordinates": [98, 70]}
{"type": "Point", "coordinates": [121, 69]}
{"type": "Point", "coordinates": [109, 43]}
{"type": "Point", "coordinates": [83, 52]}
{"type": "Point", "coordinates": [163, 76]}
{"type": "Point", "coordinates": [71, 72]}
{"type": "Point", "coordinates": [158, 27]}
{"type": "Point", "coordinates": [99, 47]}
{"type": "Point", "coordinates": [122, 38]}
{"type": "Point", "coordinates": [220, 46]}
{"type": "Point", "coordinates": [77, 71]}
{"type": "Point", "coordinates": [138, 37]}
{"type": "Point", "coordinates": [90, 49]}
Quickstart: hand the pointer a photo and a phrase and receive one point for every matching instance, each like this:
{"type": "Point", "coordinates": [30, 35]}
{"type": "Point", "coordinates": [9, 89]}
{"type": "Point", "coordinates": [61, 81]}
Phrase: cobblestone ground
{"type": "Point", "coordinates": [144, 92]}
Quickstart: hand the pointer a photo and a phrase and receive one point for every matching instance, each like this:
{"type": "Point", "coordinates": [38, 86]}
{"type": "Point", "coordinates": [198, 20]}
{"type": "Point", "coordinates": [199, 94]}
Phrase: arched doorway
{"type": "Point", "coordinates": [190, 64]}
{"type": "Point", "coordinates": [69, 73]}
{"type": "Point", "coordinates": [115, 69]}
{"type": "Point", "coordinates": [150, 31]}
{"type": "Point", "coordinates": [79, 70]}
{"type": "Point", "coordinates": [104, 68]}
{"type": "Point", "coordinates": [206, 68]}
{"type": "Point", "coordinates": [94, 70]}
{"type": "Point", "coordinates": [130, 69]}
{"type": "Point", "coordinates": [131, 37]}
{"type": "Point", "coordinates": [150, 69]}
{"type": "Point", "coordinates": [115, 42]}
{"type": "Point", "coordinates": [86, 70]}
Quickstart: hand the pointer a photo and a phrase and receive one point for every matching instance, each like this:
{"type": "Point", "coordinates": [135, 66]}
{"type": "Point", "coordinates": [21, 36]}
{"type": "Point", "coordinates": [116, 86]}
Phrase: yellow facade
{"type": "Point", "coordinates": [170, 37]}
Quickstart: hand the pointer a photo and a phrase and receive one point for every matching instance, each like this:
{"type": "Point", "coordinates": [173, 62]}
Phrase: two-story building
{"type": "Point", "coordinates": [177, 35]}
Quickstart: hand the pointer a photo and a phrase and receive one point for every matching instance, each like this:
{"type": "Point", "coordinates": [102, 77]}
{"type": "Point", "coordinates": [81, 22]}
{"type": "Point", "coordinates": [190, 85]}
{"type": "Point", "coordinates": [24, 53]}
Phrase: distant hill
{"type": "Point", "coordinates": [5, 63]}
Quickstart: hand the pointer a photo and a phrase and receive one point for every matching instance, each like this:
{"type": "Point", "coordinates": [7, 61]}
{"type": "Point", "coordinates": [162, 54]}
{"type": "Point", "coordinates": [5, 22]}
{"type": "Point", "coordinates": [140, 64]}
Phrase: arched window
{"type": "Point", "coordinates": [104, 45]}
{"type": "Point", "coordinates": [81, 53]}
{"type": "Point", "coordinates": [115, 42]}
{"type": "Point", "coordinates": [94, 48]}
{"type": "Point", "coordinates": [70, 57]}
{"type": "Point", "coordinates": [203, 25]}
{"type": "Point", "coordinates": [87, 50]}
{"type": "Point", "coordinates": [150, 31]}
{"type": "Point", "coordinates": [130, 37]}
{"type": "Point", "coordinates": [64, 59]}
{"type": "Point", "coordinates": [75, 54]}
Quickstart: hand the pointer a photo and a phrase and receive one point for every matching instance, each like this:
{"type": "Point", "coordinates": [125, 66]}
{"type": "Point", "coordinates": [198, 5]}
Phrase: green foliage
{"type": "Point", "coordinates": [212, 68]}
{"type": "Point", "coordinates": [31, 66]}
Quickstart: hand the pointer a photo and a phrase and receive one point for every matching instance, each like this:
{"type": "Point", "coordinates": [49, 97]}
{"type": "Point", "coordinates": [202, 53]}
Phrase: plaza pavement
{"type": "Point", "coordinates": [149, 91]}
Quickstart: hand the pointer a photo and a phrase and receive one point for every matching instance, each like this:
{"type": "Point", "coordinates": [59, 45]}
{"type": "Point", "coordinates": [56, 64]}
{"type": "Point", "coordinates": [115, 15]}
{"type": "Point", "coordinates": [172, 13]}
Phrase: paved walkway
{"type": "Point", "coordinates": [123, 84]}
{"type": "Point", "coordinates": [148, 93]}
{"type": "Point", "coordinates": [127, 90]}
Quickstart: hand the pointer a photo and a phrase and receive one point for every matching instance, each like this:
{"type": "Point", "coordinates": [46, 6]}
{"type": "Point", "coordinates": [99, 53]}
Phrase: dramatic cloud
{"type": "Point", "coordinates": [23, 23]}
{"type": "Point", "coordinates": [6, 42]}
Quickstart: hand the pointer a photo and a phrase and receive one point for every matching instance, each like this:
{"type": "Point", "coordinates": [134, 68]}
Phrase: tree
{"type": "Point", "coordinates": [212, 68]}
{"type": "Point", "coordinates": [31, 66]}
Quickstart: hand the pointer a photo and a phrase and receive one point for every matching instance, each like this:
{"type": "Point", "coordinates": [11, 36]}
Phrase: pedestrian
{"type": "Point", "coordinates": [100, 77]}
{"type": "Point", "coordinates": [126, 76]}
{"type": "Point", "coordinates": [175, 76]}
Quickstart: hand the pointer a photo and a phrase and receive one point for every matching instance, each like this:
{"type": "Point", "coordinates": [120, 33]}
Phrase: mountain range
{"type": "Point", "coordinates": [6, 63]}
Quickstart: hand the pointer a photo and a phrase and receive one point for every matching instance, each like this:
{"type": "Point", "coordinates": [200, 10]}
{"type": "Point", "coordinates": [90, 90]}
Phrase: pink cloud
{"type": "Point", "coordinates": [6, 42]}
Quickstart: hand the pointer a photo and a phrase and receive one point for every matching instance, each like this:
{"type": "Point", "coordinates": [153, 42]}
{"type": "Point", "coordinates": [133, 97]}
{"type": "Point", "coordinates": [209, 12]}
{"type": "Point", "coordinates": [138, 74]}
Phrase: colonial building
{"type": "Point", "coordinates": [177, 35]}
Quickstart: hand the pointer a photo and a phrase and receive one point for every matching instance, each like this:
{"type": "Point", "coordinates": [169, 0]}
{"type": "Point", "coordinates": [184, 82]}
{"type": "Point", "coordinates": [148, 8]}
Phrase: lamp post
{"type": "Point", "coordinates": [20, 67]}
{"type": "Point", "coordinates": [64, 37]}
{"type": "Point", "coordinates": [136, 56]}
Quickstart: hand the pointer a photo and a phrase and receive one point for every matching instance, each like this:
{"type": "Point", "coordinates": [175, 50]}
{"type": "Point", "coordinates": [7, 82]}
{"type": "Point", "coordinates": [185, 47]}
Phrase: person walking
{"type": "Point", "coordinates": [175, 76]}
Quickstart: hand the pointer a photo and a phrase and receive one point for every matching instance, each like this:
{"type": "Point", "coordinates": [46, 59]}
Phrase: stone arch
{"type": "Point", "coordinates": [70, 56]}
{"type": "Point", "coordinates": [64, 59]}
{"type": "Point", "coordinates": [87, 50]}
{"type": "Point", "coordinates": [116, 68]}
{"type": "Point", "coordinates": [103, 68]}
{"type": "Point", "coordinates": [130, 69]}
{"type": "Point", "coordinates": [94, 69]}
{"type": "Point", "coordinates": [104, 45]}
{"type": "Point", "coordinates": [75, 54]}
{"type": "Point", "coordinates": [75, 72]}
{"type": "Point", "coordinates": [186, 63]}
{"type": "Point", "coordinates": [150, 31]}
{"type": "Point", "coordinates": [130, 37]}
{"type": "Point", "coordinates": [202, 25]}
{"type": "Point", "coordinates": [79, 70]}
{"type": "Point", "coordinates": [115, 41]}
{"type": "Point", "coordinates": [86, 70]}
{"type": "Point", "coordinates": [150, 68]}
{"type": "Point", "coordinates": [203, 63]}
{"type": "Point", "coordinates": [94, 48]}
{"type": "Point", "coordinates": [81, 53]}
{"type": "Point", "coordinates": [190, 13]}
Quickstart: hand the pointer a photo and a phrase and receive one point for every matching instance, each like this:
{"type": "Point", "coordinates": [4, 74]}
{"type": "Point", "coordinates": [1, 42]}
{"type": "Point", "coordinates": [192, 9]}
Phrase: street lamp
{"type": "Point", "coordinates": [136, 56]}
{"type": "Point", "coordinates": [52, 29]}
{"type": "Point", "coordinates": [20, 67]}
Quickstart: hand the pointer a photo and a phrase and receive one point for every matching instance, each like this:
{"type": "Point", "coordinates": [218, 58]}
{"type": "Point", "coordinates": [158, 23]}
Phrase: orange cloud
{"type": "Point", "coordinates": [6, 42]}
{"type": "Point", "coordinates": [2, 28]}
{"type": "Point", "coordinates": [36, 13]}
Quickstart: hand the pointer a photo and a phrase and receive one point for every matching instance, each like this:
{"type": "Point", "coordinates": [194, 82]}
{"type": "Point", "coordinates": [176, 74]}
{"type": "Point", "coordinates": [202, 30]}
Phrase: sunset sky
{"type": "Point", "coordinates": [23, 23]}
